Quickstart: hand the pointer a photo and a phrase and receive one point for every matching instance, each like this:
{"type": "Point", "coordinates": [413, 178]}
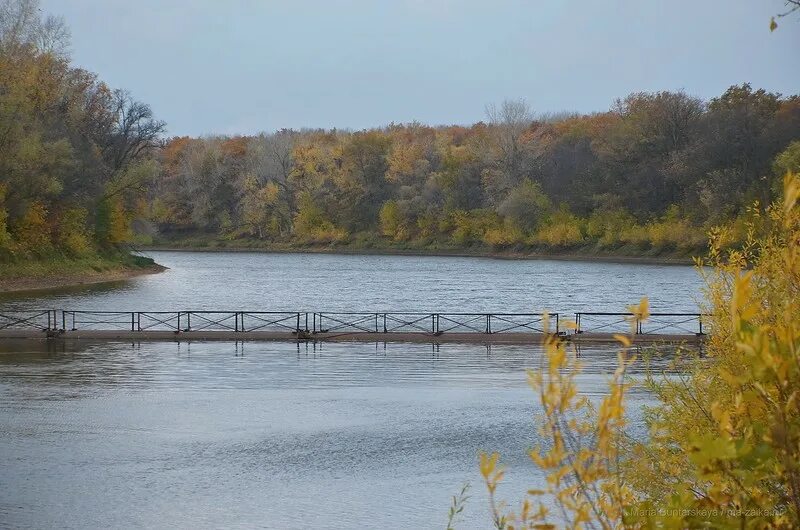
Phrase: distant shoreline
{"type": "Point", "coordinates": [640, 260]}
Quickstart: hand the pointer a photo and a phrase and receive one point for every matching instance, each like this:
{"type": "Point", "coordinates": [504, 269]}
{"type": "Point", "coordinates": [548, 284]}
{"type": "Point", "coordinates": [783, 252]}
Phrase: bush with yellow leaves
{"type": "Point", "coordinates": [723, 449]}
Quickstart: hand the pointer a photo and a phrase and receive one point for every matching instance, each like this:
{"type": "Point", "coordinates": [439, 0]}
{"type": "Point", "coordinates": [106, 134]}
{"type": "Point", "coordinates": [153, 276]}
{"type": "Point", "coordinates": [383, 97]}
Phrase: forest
{"type": "Point", "coordinates": [75, 154]}
{"type": "Point", "coordinates": [87, 170]}
{"type": "Point", "coordinates": [650, 175]}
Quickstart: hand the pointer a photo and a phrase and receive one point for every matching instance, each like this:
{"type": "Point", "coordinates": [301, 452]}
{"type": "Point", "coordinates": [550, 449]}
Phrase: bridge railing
{"type": "Point", "coordinates": [656, 324]}
{"type": "Point", "coordinates": [120, 320]}
{"type": "Point", "coordinates": [435, 323]}
{"type": "Point", "coordinates": [180, 320]}
{"type": "Point", "coordinates": [39, 319]}
{"type": "Point", "coordinates": [350, 322]}
{"type": "Point", "coordinates": [271, 321]}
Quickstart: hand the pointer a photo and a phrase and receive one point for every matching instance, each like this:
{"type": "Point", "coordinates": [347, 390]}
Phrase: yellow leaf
{"type": "Point", "coordinates": [623, 339]}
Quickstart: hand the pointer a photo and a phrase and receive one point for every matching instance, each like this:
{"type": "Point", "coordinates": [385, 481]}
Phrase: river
{"type": "Point", "coordinates": [252, 281]}
{"type": "Point", "coordinates": [285, 435]}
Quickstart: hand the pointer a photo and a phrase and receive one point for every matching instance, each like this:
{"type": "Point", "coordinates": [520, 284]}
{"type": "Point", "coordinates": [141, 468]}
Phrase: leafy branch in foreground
{"type": "Point", "coordinates": [582, 463]}
{"type": "Point", "coordinates": [723, 449]}
{"type": "Point", "coordinates": [457, 506]}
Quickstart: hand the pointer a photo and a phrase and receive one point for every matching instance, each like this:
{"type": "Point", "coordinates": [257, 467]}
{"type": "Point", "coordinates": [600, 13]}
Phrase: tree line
{"type": "Point", "coordinates": [85, 169]}
{"type": "Point", "coordinates": [650, 174]}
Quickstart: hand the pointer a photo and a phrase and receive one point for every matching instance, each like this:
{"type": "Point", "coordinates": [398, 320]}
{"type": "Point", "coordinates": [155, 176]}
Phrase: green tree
{"type": "Point", "coordinates": [526, 205]}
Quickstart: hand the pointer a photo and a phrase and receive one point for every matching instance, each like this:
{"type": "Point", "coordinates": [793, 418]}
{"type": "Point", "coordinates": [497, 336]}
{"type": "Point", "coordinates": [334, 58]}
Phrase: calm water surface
{"type": "Point", "coordinates": [281, 435]}
{"type": "Point", "coordinates": [327, 282]}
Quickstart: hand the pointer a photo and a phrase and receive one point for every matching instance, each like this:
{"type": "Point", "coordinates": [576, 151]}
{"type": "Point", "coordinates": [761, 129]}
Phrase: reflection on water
{"type": "Point", "coordinates": [278, 435]}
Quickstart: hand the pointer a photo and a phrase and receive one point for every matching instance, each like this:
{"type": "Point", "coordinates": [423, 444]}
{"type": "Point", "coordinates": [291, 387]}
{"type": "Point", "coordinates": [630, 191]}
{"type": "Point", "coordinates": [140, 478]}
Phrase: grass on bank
{"type": "Point", "coordinates": [65, 266]}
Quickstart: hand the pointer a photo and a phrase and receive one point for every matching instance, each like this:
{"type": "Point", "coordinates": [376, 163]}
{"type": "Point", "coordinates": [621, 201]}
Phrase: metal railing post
{"type": "Point", "coordinates": [138, 321]}
{"type": "Point", "coordinates": [384, 323]}
{"type": "Point", "coordinates": [133, 326]}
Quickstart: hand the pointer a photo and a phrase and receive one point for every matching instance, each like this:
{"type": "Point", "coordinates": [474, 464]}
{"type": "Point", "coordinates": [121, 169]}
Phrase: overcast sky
{"type": "Point", "coordinates": [243, 66]}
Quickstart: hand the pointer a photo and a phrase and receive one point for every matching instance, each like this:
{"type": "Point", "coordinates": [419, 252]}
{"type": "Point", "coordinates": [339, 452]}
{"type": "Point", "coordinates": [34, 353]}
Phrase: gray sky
{"type": "Point", "coordinates": [243, 66]}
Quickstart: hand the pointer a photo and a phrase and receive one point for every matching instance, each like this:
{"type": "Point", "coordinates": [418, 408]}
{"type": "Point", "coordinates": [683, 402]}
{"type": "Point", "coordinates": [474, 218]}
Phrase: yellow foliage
{"type": "Point", "coordinates": [724, 441]}
{"type": "Point", "coordinates": [392, 223]}
{"type": "Point", "coordinates": [506, 234]}
{"type": "Point", "coordinates": [31, 232]}
{"type": "Point", "coordinates": [404, 160]}
{"type": "Point", "coordinates": [471, 226]}
{"type": "Point", "coordinates": [72, 233]}
{"type": "Point", "coordinates": [263, 213]}
{"type": "Point", "coordinates": [607, 226]}
{"type": "Point", "coordinates": [427, 224]}
{"type": "Point", "coordinates": [671, 232]}
{"type": "Point", "coordinates": [118, 223]}
{"type": "Point", "coordinates": [311, 225]}
{"type": "Point", "coordinates": [729, 429]}
{"type": "Point", "coordinates": [563, 230]}
{"type": "Point", "coordinates": [583, 449]}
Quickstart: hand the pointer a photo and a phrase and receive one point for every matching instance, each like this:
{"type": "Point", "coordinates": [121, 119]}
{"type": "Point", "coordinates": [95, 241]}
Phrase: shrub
{"type": "Point", "coordinates": [724, 443]}
{"type": "Point", "coordinates": [607, 226]}
{"type": "Point", "coordinates": [562, 230]}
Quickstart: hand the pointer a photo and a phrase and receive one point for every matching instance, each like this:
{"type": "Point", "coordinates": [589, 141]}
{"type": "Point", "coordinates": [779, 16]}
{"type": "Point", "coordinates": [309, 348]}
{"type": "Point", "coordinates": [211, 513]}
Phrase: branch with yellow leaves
{"type": "Point", "coordinates": [791, 7]}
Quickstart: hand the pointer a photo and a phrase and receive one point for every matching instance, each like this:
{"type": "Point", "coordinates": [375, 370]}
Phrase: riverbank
{"type": "Point", "coordinates": [54, 274]}
{"type": "Point", "coordinates": [472, 253]}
